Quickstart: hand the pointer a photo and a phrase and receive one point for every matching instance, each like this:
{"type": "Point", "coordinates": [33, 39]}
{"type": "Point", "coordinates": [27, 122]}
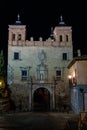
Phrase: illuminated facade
{"type": "Point", "coordinates": [78, 83]}
{"type": "Point", "coordinates": [37, 70]}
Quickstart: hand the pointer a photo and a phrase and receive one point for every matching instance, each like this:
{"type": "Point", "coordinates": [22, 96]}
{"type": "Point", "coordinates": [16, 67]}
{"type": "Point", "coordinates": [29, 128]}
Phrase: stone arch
{"type": "Point", "coordinates": [41, 99]}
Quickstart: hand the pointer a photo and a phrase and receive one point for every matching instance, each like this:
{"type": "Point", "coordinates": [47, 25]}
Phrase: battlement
{"type": "Point", "coordinates": [47, 43]}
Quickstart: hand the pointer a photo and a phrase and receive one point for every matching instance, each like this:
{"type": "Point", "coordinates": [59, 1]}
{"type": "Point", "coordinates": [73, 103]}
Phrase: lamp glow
{"type": "Point", "coordinates": [69, 76]}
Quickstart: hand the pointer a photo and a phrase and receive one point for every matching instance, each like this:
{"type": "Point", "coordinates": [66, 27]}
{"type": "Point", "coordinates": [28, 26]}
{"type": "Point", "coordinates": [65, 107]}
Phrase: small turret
{"type": "Point", "coordinates": [52, 34]}
{"type": "Point", "coordinates": [61, 23]}
{"type": "Point", "coordinates": [18, 21]}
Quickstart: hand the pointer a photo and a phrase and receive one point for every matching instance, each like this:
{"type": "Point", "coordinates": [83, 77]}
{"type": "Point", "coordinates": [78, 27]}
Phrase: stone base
{"type": "Point", "coordinates": [4, 105]}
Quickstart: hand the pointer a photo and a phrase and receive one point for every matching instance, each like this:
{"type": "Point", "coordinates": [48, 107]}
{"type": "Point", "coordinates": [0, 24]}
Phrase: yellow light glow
{"type": "Point", "coordinates": [0, 83]}
{"type": "Point", "coordinates": [69, 76]}
{"type": "Point", "coordinates": [73, 74]}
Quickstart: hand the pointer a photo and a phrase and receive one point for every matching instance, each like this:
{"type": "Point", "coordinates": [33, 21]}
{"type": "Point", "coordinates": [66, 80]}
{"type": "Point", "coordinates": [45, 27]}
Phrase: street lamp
{"type": "Point", "coordinates": [2, 84]}
{"type": "Point", "coordinates": [70, 80]}
{"type": "Point", "coordinates": [69, 76]}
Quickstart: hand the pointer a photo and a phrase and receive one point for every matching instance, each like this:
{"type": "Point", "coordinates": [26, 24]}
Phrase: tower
{"type": "Point", "coordinates": [17, 33]}
{"type": "Point", "coordinates": [63, 34]}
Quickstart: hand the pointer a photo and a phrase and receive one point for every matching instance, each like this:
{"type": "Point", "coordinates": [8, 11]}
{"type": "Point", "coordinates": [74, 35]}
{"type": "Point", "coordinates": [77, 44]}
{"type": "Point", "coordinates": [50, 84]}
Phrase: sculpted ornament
{"type": "Point", "coordinates": [42, 56]}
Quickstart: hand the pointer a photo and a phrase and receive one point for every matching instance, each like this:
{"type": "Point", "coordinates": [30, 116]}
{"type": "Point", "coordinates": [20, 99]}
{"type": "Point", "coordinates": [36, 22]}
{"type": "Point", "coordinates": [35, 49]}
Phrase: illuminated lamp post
{"type": "Point", "coordinates": [70, 80]}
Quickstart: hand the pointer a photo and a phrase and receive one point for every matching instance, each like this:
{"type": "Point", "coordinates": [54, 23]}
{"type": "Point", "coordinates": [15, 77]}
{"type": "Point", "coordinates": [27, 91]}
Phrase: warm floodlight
{"type": "Point", "coordinates": [69, 76]}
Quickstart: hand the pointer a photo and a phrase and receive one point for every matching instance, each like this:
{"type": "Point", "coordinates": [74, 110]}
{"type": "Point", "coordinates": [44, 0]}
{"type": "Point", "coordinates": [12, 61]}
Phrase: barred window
{"type": "Point", "coordinates": [58, 74]}
{"type": "Point", "coordinates": [64, 56]}
{"type": "Point", "coordinates": [16, 55]}
{"type": "Point", "coordinates": [23, 75]}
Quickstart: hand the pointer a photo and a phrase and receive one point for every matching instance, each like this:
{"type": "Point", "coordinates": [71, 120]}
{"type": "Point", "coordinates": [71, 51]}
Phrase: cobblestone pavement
{"type": "Point", "coordinates": [39, 121]}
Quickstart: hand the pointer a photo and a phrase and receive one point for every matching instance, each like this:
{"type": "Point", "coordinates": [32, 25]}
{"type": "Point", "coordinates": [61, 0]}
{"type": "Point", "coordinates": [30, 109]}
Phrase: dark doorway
{"type": "Point", "coordinates": [41, 100]}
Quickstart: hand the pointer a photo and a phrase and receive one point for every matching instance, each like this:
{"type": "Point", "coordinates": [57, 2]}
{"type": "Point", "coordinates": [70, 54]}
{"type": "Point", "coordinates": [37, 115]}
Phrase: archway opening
{"type": "Point", "coordinates": [41, 100]}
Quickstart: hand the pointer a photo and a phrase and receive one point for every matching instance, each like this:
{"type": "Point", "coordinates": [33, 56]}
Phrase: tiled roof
{"type": "Point", "coordinates": [84, 57]}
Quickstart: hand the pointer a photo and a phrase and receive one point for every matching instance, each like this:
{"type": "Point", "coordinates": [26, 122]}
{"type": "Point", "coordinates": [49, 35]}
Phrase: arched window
{"type": "Point", "coordinates": [64, 56]}
{"type": "Point", "coordinates": [13, 37]}
{"type": "Point", "coordinates": [58, 74]}
{"type": "Point", "coordinates": [67, 38]}
{"type": "Point", "coordinates": [19, 36]}
{"type": "Point", "coordinates": [60, 38]}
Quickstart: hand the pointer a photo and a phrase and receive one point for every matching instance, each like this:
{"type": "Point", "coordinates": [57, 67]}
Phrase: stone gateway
{"type": "Point", "coordinates": [37, 70]}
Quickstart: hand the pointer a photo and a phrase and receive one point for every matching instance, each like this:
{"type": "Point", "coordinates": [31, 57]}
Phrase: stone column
{"type": "Point", "coordinates": [30, 97]}
{"type": "Point", "coordinates": [53, 97]}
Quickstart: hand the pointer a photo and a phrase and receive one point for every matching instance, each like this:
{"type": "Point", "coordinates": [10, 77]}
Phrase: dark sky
{"type": "Point", "coordinates": [40, 16]}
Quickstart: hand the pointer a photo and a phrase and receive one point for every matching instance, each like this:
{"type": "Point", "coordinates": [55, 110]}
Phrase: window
{"type": "Point", "coordinates": [58, 74]}
{"type": "Point", "coordinates": [23, 75]}
{"type": "Point", "coordinates": [67, 38]}
{"type": "Point", "coordinates": [64, 56]}
{"type": "Point", "coordinates": [13, 37]}
{"type": "Point", "coordinates": [19, 36]}
{"type": "Point", "coordinates": [60, 38]}
{"type": "Point", "coordinates": [16, 55]}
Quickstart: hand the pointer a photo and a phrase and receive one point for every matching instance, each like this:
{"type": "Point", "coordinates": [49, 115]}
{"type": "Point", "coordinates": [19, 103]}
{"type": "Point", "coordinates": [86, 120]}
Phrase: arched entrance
{"type": "Point", "coordinates": [41, 100]}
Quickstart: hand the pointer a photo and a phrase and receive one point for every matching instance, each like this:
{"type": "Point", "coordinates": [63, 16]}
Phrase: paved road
{"type": "Point", "coordinates": [39, 121]}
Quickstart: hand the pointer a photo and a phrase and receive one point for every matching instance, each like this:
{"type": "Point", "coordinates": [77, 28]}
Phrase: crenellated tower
{"type": "Point", "coordinates": [17, 33]}
{"type": "Point", "coordinates": [63, 33]}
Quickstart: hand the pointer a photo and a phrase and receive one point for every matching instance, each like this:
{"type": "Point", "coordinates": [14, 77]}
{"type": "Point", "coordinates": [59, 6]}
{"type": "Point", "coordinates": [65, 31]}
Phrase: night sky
{"type": "Point", "coordinates": [40, 16]}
